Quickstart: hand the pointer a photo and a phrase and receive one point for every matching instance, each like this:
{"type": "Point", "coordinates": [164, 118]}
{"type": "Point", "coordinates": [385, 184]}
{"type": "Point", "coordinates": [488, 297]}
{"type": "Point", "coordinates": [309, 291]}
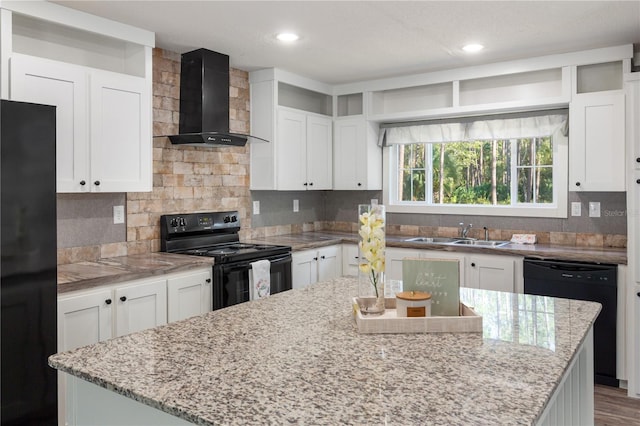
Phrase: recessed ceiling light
{"type": "Point", "coordinates": [472, 48]}
{"type": "Point", "coordinates": [287, 37]}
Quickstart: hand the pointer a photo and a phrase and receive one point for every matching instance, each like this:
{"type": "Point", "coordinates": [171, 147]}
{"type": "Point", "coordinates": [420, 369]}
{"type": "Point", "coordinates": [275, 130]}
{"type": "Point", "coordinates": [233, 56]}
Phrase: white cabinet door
{"type": "Point", "coordinates": [82, 320]}
{"type": "Point", "coordinates": [329, 263]}
{"type": "Point", "coordinates": [357, 159]}
{"type": "Point", "coordinates": [347, 150]}
{"type": "Point", "coordinates": [319, 153]}
{"type": "Point", "coordinates": [491, 272]}
{"type": "Point", "coordinates": [188, 295]}
{"type": "Point", "coordinates": [350, 259]}
{"type": "Point", "coordinates": [304, 268]}
{"type": "Point", "coordinates": [291, 154]}
{"type": "Point", "coordinates": [48, 82]}
{"type": "Point", "coordinates": [632, 89]}
{"type": "Point", "coordinates": [597, 142]}
{"type": "Point", "coordinates": [140, 306]}
{"type": "Point", "coordinates": [634, 342]}
{"type": "Point", "coordinates": [393, 261]}
{"type": "Point", "coordinates": [120, 133]}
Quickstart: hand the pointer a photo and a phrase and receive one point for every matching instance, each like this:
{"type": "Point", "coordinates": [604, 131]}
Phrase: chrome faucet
{"type": "Point", "coordinates": [486, 233]}
{"type": "Point", "coordinates": [464, 230]}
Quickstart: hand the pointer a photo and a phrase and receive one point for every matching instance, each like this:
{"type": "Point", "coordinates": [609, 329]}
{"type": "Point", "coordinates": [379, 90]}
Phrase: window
{"type": "Point", "coordinates": [518, 175]}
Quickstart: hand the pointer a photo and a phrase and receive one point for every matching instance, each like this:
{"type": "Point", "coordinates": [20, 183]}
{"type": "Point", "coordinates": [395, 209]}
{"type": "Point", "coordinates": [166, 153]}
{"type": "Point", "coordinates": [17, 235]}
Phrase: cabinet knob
{"type": "Point", "coordinates": [637, 180]}
{"type": "Point", "coordinates": [359, 184]}
{"type": "Point", "coordinates": [83, 183]}
{"type": "Point", "coordinates": [310, 183]}
{"type": "Point", "coordinates": [96, 183]}
{"type": "Point", "coordinates": [322, 257]}
{"type": "Point", "coordinates": [638, 294]}
{"type": "Point", "coordinates": [473, 265]}
{"type": "Point", "coordinates": [315, 258]}
{"type": "Point", "coordinates": [577, 183]}
{"type": "Point", "coordinates": [123, 298]}
{"type": "Point", "coordinates": [108, 301]}
{"type": "Point", "coordinates": [208, 280]}
{"type": "Point", "coordinates": [638, 160]}
{"type": "Point", "coordinates": [305, 184]}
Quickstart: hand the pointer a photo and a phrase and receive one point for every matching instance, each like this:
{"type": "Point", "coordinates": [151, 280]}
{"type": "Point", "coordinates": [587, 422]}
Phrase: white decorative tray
{"type": "Point", "coordinates": [388, 322]}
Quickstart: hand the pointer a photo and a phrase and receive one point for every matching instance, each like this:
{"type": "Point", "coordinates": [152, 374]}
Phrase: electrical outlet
{"type": "Point", "coordinates": [118, 214]}
{"type": "Point", "coordinates": [256, 207]}
{"type": "Point", "coordinates": [594, 209]}
{"type": "Point", "coordinates": [296, 206]}
{"type": "Point", "coordinates": [576, 208]}
{"type": "Point", "coordinates": [374, 201]}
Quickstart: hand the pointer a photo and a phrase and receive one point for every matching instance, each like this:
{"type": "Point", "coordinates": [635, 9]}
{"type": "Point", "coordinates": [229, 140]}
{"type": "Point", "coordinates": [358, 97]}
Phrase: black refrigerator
{"type": "Point", "coordinates": [28, 294]}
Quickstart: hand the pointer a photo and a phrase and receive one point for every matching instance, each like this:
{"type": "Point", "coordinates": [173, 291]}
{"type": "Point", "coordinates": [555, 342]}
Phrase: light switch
{"type": "Point", "coordinates": [256, 207]}
{"type": "Point", "coordinates": [576, 208]}
{"type": "Point", "coordinates": [296, 205]}
{"type": "Point", "coordinates": [594, 209]}
{"type": "Point", "coordinates": [118, 214]}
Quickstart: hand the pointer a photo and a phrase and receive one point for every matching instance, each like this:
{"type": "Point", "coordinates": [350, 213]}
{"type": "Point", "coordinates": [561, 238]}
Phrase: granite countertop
{"type": "Point", "coordinates": [296, 357]}
{"type": "Point", "coordinates": [86, 275]}
{"type": "Point", "coordinates": [310, 240]}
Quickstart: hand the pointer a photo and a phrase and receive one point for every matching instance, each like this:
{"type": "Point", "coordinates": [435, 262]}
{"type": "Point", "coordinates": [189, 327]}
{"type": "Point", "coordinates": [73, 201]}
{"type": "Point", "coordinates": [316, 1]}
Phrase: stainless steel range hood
{"type": "Point", "coordinates": [204, 102]}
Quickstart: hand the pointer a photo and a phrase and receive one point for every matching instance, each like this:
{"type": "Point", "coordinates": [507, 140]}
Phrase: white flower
{"type": "Point", "coordinates": [372, 244]}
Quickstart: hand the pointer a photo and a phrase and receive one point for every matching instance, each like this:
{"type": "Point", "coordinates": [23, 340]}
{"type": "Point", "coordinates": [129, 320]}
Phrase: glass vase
{"type": "Point", "coordinates": [371, 246]}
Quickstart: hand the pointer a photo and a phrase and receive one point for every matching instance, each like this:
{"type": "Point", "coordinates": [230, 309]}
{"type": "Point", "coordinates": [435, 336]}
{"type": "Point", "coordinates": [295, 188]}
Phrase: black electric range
{"type": "Point", "coordinates": [215, 234]}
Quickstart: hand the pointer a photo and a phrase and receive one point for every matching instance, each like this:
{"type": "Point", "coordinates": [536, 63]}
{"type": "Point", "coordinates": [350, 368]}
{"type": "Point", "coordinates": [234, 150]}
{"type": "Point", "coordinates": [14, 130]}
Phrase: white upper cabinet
{"type": "Point", "coordinates": [65, 86]}
{"type": "Point", "coordinates": [296, 119]}
{"type": "Point", "coordinates": [357, 158]}
{"type": "Point", "coordinates": [596, 142]}
{"type": "Point", "coordinates": [303, 151]}
{"type": "Point", "coordinates": [597, 129]}
{"type": "Point", "coordinates": [98, 73]}
{"type": "Point", "coordinates": [120, 133]}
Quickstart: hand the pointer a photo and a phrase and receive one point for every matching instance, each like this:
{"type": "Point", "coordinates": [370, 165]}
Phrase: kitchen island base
{"type": "Point", "coordinates": [571, 403]}
{"type": "Point", "coordinates": [90, 404]}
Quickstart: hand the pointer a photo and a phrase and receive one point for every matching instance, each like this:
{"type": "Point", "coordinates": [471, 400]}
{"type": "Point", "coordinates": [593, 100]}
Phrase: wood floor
{"type": "Point", "coordinates": [614, 408]}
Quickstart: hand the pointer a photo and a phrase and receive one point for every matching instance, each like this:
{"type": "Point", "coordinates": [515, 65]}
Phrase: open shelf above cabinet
{"type": "Point", "coordinates": [304, 99]}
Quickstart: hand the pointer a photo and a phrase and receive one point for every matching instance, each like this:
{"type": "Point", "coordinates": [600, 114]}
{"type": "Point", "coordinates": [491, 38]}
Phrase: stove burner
{"type": "Point", "coordinates": [220, 251]}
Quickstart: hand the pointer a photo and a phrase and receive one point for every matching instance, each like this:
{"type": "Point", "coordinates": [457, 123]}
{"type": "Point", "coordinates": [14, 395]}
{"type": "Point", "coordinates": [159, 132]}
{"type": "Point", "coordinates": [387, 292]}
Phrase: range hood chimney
{"type": "Point", "coordinates": [204, 102]}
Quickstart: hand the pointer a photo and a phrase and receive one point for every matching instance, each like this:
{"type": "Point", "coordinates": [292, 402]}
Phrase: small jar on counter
{"type": "Point", "coordinates": [413, 304]}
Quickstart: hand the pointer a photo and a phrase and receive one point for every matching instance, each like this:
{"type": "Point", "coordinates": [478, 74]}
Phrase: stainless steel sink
{"type": "Point", "coordinates": [481, 243]}
{"type": "Point", "coordinates": [432, 240]}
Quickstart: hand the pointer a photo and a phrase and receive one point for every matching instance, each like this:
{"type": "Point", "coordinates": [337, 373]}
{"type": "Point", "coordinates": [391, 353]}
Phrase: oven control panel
{"type": "Point", "coordinates": [184, 223]}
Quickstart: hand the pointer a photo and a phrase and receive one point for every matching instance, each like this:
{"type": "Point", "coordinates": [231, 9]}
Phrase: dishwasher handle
{"type": "Point", "coordinates": [570, 266]}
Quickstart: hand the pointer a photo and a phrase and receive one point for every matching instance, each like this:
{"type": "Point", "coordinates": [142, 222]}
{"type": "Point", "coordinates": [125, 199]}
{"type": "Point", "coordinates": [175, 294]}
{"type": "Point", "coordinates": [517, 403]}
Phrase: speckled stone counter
{"type": "Point", "coordinates": [296, 357]}
{"type": "Point", "coordinates": [309, 240]}
{"type": "Point", "coordinates": [85, 275]}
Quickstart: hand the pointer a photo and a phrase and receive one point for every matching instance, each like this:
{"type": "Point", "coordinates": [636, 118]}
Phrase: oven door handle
{"type": "Point", "coordinates": [247, 265]}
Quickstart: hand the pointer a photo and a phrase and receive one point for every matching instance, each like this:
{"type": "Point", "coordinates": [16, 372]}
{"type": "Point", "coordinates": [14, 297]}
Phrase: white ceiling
{"type": "Point", "coordinates": [346, 41]}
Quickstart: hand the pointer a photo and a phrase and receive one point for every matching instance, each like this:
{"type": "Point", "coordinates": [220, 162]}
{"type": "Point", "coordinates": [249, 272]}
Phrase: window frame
{"type": "Point", "coordinates": [554, 210]}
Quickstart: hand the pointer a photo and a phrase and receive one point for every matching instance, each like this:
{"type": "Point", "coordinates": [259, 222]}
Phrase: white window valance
{"type": "Point", "coordinates": [469, 129]}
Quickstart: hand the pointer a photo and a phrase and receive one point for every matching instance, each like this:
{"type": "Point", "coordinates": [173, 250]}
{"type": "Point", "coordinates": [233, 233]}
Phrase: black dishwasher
{"type": "Point", "coordinates": [583, 281]}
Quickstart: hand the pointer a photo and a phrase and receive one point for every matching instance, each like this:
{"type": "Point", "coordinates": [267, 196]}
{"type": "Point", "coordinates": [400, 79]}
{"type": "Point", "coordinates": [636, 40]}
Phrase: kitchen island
{"type": "Point", "coordinates": [296, 357]}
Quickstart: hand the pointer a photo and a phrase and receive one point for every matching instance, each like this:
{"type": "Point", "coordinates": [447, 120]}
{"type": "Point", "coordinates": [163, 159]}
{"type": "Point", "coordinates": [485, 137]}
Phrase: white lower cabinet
{"type": "Point", "coordinates": [90, 316]}
{"type": "Point", "coordinates": [140, 306]}
{"type": "Point", "coordinates": [492, 272]}
{"type": "Point", "coordinates": [188, 295]}
{"type": "Point", "coordinates": [350, 259]}
{"type": "Point", "coordinates": [484, 271]}
{"type": "Point", "coordinates": [635, 342]}
{"type": "Point", "coordinates": [393, 261]}
{"type": "Point", "coordinates": [311, 266]}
